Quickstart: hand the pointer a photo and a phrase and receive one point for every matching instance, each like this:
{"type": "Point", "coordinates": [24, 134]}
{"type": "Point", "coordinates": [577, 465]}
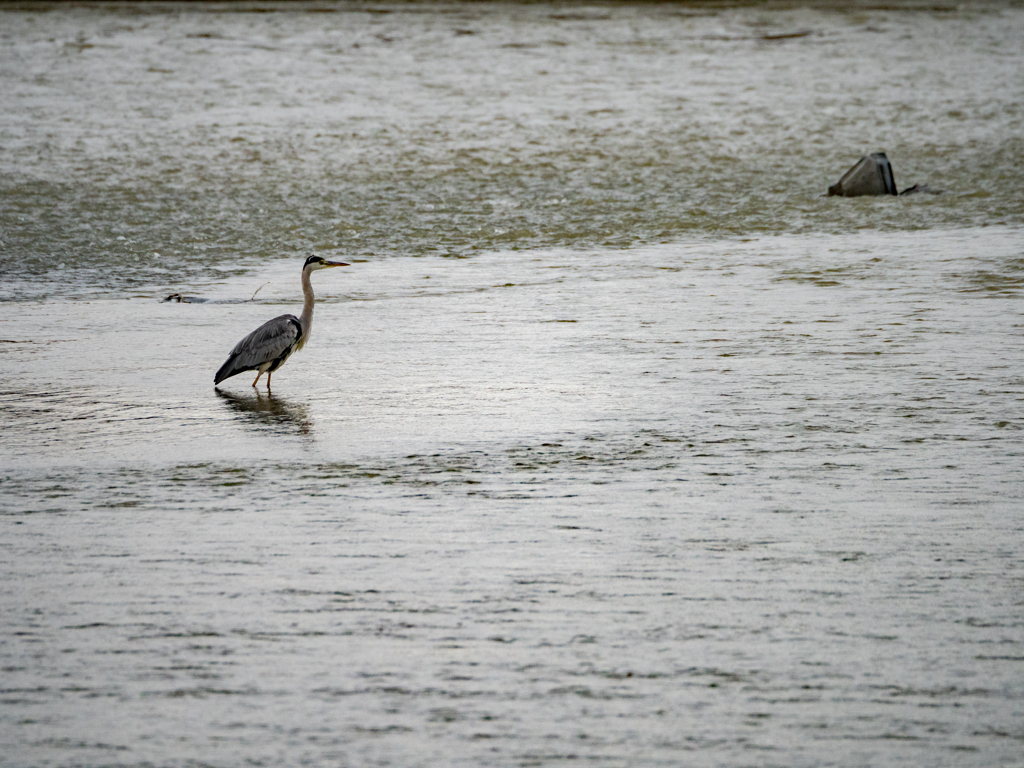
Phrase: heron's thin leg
{"type": "Point", "coordinates": [268, 380]}
{"type": "Point", "coordinates": [258, 378]}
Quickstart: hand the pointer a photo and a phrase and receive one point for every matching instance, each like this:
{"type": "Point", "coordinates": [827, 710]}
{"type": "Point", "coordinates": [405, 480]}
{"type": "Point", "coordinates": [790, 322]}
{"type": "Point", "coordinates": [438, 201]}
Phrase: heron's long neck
{"type": "Point", "coordinates": [306, 318]}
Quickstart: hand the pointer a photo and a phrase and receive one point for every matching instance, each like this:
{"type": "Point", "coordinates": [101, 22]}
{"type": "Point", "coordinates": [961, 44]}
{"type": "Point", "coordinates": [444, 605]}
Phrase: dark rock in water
{"type": "Point", "coordinates": [178, 298]}
{"type": "Point", "coordinates": [872, 175]}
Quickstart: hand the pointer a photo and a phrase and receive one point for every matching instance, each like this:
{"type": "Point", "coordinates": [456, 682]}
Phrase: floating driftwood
{"type": "Point", "coordinates": [872, 175]}
{"type": "Point", "coordinates": [179, 299]}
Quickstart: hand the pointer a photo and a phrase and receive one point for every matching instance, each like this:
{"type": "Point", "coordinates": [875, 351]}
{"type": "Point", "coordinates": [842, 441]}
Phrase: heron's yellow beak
{"type": "Point", "coordinates": [336, 264]}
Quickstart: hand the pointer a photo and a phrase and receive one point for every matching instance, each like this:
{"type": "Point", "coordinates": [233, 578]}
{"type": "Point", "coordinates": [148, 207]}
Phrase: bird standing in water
{"type": "Point", "coordinates": [266, 349]}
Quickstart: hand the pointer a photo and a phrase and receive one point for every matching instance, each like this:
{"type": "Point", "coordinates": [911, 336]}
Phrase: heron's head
{"type": "Point", "coordinates": [315, 262]}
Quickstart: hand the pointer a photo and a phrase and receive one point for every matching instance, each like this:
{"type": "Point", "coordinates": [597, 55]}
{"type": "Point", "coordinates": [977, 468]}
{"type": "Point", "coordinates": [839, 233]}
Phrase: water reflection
{"type": "Point", "coordinates": [266, 412]}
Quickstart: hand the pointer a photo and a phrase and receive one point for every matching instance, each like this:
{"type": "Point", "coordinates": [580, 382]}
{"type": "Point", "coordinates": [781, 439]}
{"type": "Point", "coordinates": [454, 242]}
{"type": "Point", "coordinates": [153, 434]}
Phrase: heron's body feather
{"type": "Point", "coordinates": [269, 345]}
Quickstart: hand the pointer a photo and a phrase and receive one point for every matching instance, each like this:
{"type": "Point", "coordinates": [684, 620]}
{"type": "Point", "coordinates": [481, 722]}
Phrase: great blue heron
{"type": "Point", "coordinates": [266, 348]}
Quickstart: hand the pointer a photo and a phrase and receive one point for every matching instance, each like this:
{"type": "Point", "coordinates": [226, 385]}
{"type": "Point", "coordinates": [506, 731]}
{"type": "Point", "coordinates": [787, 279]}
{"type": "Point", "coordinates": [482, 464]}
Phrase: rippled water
{"type": "Point", "coordinates": [458, 129]}
{"type": "Point", "coordinates": [652, 455]}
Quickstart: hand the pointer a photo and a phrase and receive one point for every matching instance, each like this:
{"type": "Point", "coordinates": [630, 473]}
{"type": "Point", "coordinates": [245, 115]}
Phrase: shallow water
{"type": "Point", "coordinates": [653, 455]}
{"type": "Point", "coordinates": [211, 137]}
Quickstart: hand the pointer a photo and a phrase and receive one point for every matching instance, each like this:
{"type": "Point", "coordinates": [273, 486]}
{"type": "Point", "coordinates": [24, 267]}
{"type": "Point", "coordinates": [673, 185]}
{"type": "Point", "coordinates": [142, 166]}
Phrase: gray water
{"type": "Point", "coordinates": [618, 444]}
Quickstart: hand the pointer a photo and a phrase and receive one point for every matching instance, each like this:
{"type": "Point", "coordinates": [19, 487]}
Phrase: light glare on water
{"type": "Point", "coordinates": [679, 463]}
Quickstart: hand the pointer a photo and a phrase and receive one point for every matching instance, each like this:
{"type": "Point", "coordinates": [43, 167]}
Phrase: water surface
{"type": "Point", "coordinates": [618, 442]}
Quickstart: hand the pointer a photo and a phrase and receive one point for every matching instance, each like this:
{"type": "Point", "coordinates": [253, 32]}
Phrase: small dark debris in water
{"type": "Point", "coordinates": [872, 175]}
{"type": "Point", "coordinates": [583, 16]}
{"type": "Point", "coordinates": [179, 299]}
{"type": "Point", "coordinates": [787, 35]}
{"type": "Point", "coordinates": [921, 189]}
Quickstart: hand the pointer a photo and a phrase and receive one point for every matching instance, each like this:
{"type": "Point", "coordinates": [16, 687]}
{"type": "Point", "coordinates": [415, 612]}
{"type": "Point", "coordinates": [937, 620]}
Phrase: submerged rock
{"type": "Point", "coordinates": [178, 298]}
{"type": "Point", "coordinates": [872, 175]}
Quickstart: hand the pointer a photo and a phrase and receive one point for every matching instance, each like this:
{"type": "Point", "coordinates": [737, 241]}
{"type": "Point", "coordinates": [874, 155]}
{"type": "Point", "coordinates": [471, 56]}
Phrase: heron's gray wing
{"type": "Point", "coordinates": [268, 342]}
